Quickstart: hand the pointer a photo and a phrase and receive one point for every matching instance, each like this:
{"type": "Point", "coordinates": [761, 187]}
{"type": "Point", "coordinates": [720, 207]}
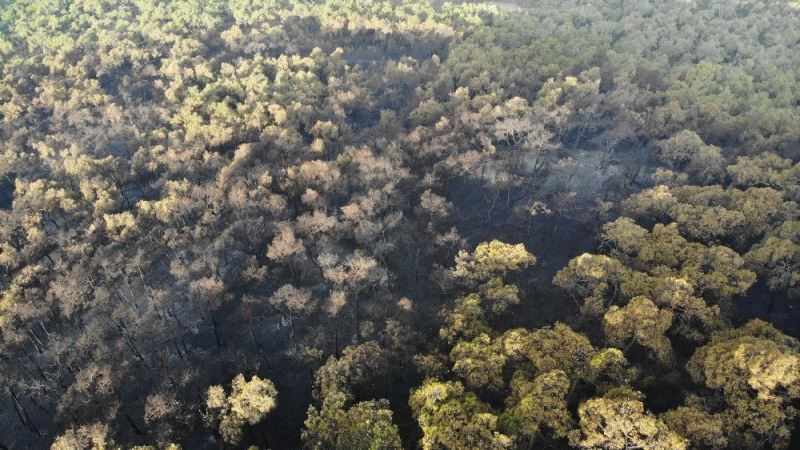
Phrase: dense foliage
{"type": "Point", "coordinates": [354, 224]}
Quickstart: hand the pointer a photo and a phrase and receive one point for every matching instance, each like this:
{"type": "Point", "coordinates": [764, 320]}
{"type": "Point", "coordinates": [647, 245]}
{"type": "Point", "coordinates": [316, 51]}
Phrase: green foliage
{"type": "Point", "coordinates": [453, 419]}
{"type": "Point", "coordinates": [642, 322]}
{"type": "Point", "coordinates": [540, 403]}
{"type": "Point", "coordinates": [467, 320]}
{"type": "Point", "coordinates": [756, 370]}
{"type": "Point", "coordinates": [491, 259]}
{"type": "Point", "coordinates": [248, 403]}
{"type": "Point", "coordinates": [619, 421]}
{"type": "Point", "coordinates": [341, 423]}
{"type": "Point", "coordinates": [479, 362]}
{"type": "Point", "coordinates": [354, 366]}
{"type": "Point", "coordinates": [551, 348]}
{"type": "Point", "coordinates": [364, 426]}
{"type": "Point", "coordinates": [701, 428]}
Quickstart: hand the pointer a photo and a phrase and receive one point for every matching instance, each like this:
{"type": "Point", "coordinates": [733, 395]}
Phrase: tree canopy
{"type": "Point", "coordinates": [354, 224]}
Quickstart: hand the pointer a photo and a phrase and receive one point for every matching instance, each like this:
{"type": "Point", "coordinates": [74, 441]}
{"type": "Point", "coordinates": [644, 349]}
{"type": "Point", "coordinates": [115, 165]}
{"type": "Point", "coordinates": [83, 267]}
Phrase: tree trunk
{"type": "Point", "coordinates": [24, 416]}
{"type": "Point", "coordinates": [358, 319]}
{"type": "Point", "coordinates": [214, 326]}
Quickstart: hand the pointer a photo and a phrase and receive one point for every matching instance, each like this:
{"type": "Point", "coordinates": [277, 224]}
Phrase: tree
{"type": "Point", "coordinates": [687, 150]}
{"type": "Point", "coordinates": [777, 258]}
{"type": "Point", "coordinates": [499, 294]}
{"type": "Point", "coordinates": [364, 426]}
{"type": "Point", "coordinates": [291, 302]}
{"type": "Point", "coordinates": [713, 214]}
{"type": "Point", "coordinates": [454, 419]}
{"type": "Point", "coordinates": [762, 207]}
{"type": "Point", "coordinates": [518, 127]}
{"type": "Point", "coordinates": [538, 405]}
{"type": "Point", "coordinates": [491, 259]}
{"type": "Point", "coordinates": [479, 362]}
{"type": "Point", "coordinates": [622, 237]}
{"type": "Point", "coordinates": [701, 428]}
{"type": "Point", "coordinates": [595, 278]}
{"type": "Point", "coordinates": [87, 437]}
{"type": "Point", "coordinates": [714, 271]}
{"type": "Point", "coordinates": [163, 414]}
{"type": "Point", "coordinates": [358, 273]}
{"type": "Point", "coordinates": [248, 403]}
{"type": "Point", "coordinates": [435, 207]}
{"type": "Point", "coordinates": [642, 322]}
{"type": "Point", "coordinates": [756, 370]}
{"type": "Point", "coordinates": [763, 170]}
{"type": "Point", "coordinates": [693, 317]}
{"type": "Point", "coordinates": [356, 365]}
{"type": "Point", "coordinates": [618, 421]}
{"type": "Point", "coordinates": [337, 422]}
{"type": "Point", "coordinates": [555, 347]}
{"type": "Point", "coordinates": [467, 320]}
{"type": "Point", "coordinates": [285, 246]}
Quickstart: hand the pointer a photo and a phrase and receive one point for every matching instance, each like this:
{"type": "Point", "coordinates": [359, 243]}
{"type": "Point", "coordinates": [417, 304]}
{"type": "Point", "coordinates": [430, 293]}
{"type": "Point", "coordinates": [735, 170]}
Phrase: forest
{"type": "Point", "coordinates": [399, 224]}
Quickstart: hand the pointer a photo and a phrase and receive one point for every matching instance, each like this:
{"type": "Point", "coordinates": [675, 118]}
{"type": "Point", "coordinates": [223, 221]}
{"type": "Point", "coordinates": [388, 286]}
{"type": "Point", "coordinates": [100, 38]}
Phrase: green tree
{"type": "Point", "coordinates": [491, 259]}
{"type": "Point", "coordinates": [594, 278]}
{"type": "Point", "coordinates": [686, 150]}
{"type": "Point", "coordinates": [619, 421]}
{"type": "Point", "coordinates": [701, 428]}
{"type": "Point", "coordinates": [538, 405]}
{"type": "Point", "coordinates": [364, 426]}
{"type": "Point", "coordinates": [451, 418]}
{"type": "Point", "coordinates": [467, 320]}
{"type": "Point", "coordinates": [755, 369]}
{"type": "Point", "coordinates": [777, 259]}
{"type": "Point", "coordinates": [549, 348]}
{"type": "Point", "coordinates": [248, 403]}
{"type": "Point", "coordinates": [479, 362]}
{"type": "Point", "coordinates": [642, 322]}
